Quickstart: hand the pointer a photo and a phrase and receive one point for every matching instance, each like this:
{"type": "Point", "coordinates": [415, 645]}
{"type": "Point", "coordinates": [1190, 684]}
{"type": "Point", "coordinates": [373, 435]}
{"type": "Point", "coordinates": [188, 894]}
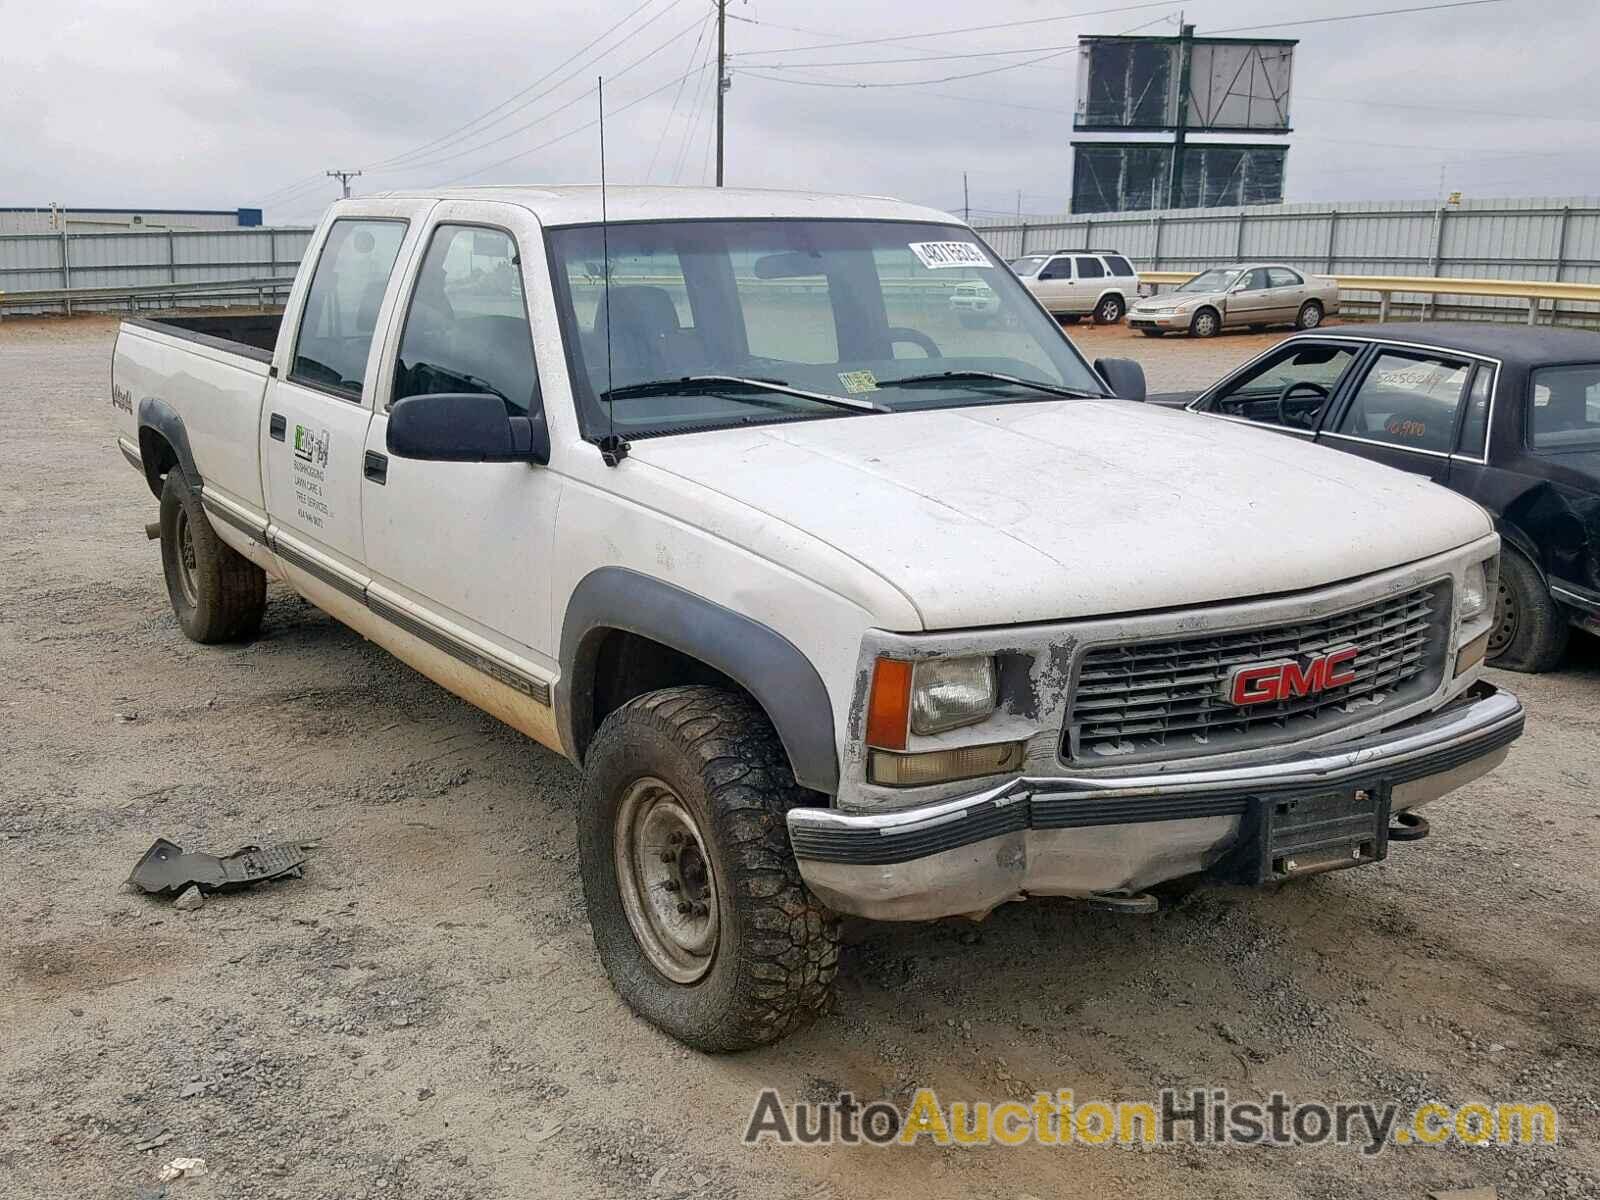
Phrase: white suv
{"type": "Point", "coordinates": [1080, 283]}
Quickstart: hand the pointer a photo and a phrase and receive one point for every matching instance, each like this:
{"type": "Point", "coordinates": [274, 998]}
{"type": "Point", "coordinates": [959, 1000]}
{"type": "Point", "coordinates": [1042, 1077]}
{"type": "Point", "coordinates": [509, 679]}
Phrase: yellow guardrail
{"type": "Point", "coordinates": [1387, 286]}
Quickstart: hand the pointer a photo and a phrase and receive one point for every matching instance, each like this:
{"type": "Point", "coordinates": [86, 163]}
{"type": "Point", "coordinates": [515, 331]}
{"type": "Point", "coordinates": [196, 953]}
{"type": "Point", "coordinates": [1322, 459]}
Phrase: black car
{"type": "Point", "coordinates": [1506, 415]}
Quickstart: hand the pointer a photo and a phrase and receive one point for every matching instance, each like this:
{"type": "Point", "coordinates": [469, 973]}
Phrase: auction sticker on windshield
{"type": "Point", "coordinates": [935, 255]}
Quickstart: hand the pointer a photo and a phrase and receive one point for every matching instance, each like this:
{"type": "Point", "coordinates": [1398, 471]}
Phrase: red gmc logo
{"type": "Point", "coordinates": [1289, 678]}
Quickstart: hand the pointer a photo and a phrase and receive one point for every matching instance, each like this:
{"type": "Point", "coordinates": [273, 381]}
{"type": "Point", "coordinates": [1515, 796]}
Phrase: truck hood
{"type": "Point", "coordinates": [1014, 513]}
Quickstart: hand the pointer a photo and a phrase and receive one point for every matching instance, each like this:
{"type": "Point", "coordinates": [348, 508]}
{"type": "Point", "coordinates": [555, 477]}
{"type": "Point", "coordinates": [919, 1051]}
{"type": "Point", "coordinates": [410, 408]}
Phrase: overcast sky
{"type": "Point", "coordinates": [173, 103]}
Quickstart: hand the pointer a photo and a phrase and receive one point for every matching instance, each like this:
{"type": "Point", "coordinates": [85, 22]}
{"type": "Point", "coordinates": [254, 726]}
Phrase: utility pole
{"type": "Point", "coordinates": [722, 75]}
{"type": "Point", "coordinates": [344, 178]}
{"type": "Point", "coordinates": [966, 200]}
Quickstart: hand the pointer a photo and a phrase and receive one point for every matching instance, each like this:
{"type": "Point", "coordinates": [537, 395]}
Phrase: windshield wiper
{"type": "Point", "coordinates": [957, 376]}
{"type": "Point", "coordinates": [720, 383]}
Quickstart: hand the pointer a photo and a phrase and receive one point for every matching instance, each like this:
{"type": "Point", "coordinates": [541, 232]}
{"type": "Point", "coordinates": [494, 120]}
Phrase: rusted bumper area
{"type": "Point", "coordinates": [1116, 835]}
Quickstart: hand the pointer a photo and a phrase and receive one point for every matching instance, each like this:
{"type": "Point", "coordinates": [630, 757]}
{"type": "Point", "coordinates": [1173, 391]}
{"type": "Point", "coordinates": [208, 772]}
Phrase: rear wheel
{"type": "Point", "coordinates": [1530, 631]}
{"type": "Point", "coordinates": [1205, 323]}
{"type": "Point", "coordinates": [1109, 311]}
{"type": "Point", "coordinates": [698, 910]}
{"type": "Point", "coordinates": [1309, 316]}
{"type": "Point", "coordinates": [217, 594]}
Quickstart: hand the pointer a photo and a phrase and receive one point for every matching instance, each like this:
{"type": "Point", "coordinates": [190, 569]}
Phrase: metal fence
{"type": "Point", "coordinates": [1540, 239]}
{"type": "Point", "coordinates": [40, 261]}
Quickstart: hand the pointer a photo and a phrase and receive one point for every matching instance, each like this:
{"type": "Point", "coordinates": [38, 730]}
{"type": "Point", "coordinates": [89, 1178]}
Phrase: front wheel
{"type": "Point", "coordinates": [1530, 631]}
{"type": "Point", "coordinates": [1109, 311]}
{"type": "Point", "coordinates": [696, 903]}
{"type": "Point", "coordinates": [1206, 323]}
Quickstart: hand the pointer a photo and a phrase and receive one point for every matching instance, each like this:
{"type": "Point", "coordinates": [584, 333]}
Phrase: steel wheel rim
{"type": "Point", "coordinates": [668, 888]}
{"type": "Point", "coordinates": [183, 535]}
{"type": "Point", "coordinates": [1311, 318]}
{"type": "Point", "coordinates": [1506, 620]}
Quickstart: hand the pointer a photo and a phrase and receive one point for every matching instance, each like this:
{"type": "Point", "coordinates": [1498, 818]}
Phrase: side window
{"type": "Point", "coordinates": [1090, 268]}
{"type": "Point", "coordinates": [1408, 400]}
{"type": "Point", "coordinates": [1257, 280]}
{"type": "Point", "coordinates": [342, 306]}
{"type": "Point", "coordinates": [1283, 277]}
{"type": "Point", "coordinates": [1118, 264]}
{"type": "Point", "coordinates": [1289, 389]}
{"type": "Point", "coordinates": [1475, 425]}
{"type": "Point", "coordinates": [1057, 268]}
{"type": "Point", "coordinates": [467, 327]}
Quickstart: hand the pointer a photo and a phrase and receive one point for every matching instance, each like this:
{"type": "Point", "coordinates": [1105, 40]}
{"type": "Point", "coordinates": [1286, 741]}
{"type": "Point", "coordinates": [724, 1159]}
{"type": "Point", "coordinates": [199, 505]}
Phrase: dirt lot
{"type": "Point", "coordinates": [423, 1016]}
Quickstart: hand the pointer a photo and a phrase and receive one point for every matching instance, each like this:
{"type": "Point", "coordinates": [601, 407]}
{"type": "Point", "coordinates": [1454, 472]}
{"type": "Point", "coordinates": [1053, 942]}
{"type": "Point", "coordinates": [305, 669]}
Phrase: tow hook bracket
{"type": "Point", "coordinates": [1142, 904]}
{"type": "Point", "coordinates": [1408, 827]}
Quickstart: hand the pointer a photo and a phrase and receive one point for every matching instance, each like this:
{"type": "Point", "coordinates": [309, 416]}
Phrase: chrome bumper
{"type": "Point", "coordinates": [1082, 835]}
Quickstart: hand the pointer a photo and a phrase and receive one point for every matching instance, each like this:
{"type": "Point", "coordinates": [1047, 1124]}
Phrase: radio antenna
{"type": "Point", "coordinates": [612, 448]}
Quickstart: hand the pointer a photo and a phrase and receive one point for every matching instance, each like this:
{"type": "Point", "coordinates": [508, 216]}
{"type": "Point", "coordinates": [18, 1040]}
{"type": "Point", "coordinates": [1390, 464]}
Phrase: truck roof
{"type": "Point", "coordinates": [580, 205]}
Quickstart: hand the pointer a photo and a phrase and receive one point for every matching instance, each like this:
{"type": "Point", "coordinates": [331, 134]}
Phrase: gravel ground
{"type": "Point", "coordinates": [423, 1016]}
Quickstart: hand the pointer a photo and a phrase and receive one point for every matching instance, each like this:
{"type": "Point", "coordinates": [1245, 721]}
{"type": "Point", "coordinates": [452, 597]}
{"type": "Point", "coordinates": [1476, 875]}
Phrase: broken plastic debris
{"type": "Point", "coordinates": [183, 1168]}
{"type": "Point", "coordinates": [168, 867]}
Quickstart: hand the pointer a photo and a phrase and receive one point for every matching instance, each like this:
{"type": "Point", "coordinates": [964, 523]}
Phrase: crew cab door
{"type": "Point", "coordinates": [316, 410]}
{"type": "Point", "coordinates": [1405, 409]}
{"type": "Point", "coordinates": [459, 552]}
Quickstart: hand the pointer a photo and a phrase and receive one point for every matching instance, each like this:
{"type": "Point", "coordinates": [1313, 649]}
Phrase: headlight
{"type": "Point", "coordinates": [1474, 592]}
{"type": "Point", "coordinates": [947, 693]}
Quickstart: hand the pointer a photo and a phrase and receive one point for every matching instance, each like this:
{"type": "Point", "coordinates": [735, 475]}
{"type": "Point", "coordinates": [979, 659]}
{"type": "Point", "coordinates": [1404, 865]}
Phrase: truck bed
{"type": "Point", "coordinates": [254, 335]}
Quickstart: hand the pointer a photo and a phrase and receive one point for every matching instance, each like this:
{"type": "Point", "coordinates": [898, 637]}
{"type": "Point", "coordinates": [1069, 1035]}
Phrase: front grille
{"type": "Point", "coordinates": [1165, 699]}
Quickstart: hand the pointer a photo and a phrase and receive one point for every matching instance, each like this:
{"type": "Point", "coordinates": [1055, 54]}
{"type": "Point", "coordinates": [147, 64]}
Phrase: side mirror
{"type": "Point", "coordinates": [1125, 376]}
{"type": "Point", "coordinates": [465, 427]}
{"type": "Point", "coordinates": [1242, 286]}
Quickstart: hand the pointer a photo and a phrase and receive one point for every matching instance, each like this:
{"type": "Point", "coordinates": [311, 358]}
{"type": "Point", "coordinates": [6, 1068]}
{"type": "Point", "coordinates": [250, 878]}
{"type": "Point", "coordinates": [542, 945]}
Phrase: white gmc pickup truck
{"type": "Point", "coordinates": [841, 605]}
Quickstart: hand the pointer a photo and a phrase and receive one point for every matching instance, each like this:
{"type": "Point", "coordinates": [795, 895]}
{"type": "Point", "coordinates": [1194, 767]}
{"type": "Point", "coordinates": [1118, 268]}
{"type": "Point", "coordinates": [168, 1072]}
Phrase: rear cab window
{"type": "Point", "coordinates": [1564, 408]}
{"type": "Point", "coordinates": [342, 305]}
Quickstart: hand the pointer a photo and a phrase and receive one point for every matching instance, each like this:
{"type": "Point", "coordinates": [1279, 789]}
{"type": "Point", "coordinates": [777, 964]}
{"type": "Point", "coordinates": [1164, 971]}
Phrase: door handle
{"type": "Point", "coordinates": [276, 427]}
{"type": "Point", "coordinates": [376, 467]}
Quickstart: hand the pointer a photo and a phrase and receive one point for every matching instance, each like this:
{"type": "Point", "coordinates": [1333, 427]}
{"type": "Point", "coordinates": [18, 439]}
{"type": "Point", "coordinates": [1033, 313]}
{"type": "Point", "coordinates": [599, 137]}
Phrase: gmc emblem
{"type": "Point", "coordinates": [1288, 678]}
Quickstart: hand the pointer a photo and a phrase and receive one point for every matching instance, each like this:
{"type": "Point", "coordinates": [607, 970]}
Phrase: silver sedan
{"type": "Point", "coordinates": [1249, 294]}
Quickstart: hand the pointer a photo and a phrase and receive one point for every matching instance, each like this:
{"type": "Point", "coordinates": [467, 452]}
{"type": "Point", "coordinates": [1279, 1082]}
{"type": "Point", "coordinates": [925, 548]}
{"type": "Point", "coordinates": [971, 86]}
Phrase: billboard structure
{"type": "Point", "coordinates": [1180, 86]}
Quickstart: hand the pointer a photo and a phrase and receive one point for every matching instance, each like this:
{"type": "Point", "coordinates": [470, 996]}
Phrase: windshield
{"type": "Point", "coordinates": [771, 310]}
{"type": "Point", "coordinates": [1564, 413]}
{"type": "Point", "coordinates": [1027, 266]}
{"type": "Point", "coordinates": [1214, 280]}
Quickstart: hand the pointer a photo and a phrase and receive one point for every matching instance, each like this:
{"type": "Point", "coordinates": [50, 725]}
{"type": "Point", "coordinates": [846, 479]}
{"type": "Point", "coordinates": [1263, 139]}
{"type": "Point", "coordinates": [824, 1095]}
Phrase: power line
{"type": "Point", "coordinates": [523, 128]}
{"type": "Point", "coordinates": [1384, 12]}
{"type": "Point", "coordinates": [570, 133]}
{"type": "Point", "coordinates": [1444, 108]}
{"type": "Point", "coordinates": [702, 93]}
{"type": "Point", "coordinates": [677, 96]}
{"type": "Point", "coordinates": [914, 82]}
{"type": "Point", "coordinates": [906, 62]}
{"type": "Point", "coordinates": [427, 147]}
{"type": "Point", "coordinates": [913, 37]}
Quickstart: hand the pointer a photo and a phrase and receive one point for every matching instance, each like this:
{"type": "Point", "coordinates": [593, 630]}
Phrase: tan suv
{"type": "Point", "coordinates": [1080, 283]}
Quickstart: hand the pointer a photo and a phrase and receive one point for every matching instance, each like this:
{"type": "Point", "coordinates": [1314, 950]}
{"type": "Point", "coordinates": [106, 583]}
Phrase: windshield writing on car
{"type": "Point", "coordinates": [807, 308]}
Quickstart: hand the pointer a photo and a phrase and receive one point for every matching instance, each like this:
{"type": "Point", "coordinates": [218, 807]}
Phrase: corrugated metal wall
{"type": "Point", "coordinates": [1546, 239]}
{"type": "Point", "coordinates": [34, 262]}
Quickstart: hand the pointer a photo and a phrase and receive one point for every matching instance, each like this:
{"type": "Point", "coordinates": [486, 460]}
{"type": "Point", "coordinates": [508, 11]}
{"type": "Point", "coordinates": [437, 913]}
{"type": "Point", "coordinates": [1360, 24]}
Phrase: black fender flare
{"type": "Point", "coordinates": [163, 419]}
{"type": "Point", "coordinates": [761, 660]}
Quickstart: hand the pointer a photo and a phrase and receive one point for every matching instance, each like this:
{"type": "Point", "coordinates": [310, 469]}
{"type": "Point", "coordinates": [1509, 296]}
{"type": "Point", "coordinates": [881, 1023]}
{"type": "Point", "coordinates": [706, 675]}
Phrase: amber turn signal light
{"type": "Point", "coordinates": [889, 705]}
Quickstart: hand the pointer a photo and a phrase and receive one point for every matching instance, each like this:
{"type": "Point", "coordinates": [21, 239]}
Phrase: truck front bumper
{"type": "Point", "coordinates": [1098, 835]}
